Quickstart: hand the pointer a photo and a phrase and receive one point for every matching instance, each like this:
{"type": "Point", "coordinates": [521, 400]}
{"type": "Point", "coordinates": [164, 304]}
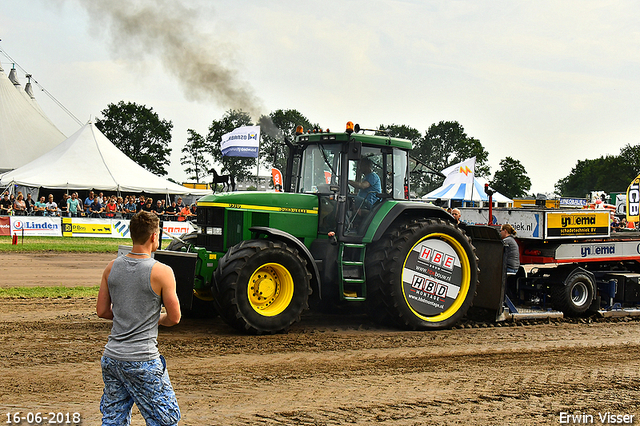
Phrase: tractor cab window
{"type": "Point", "coordinates": [320, 168]}
{"type": "Point", "coordinates": [368, 187]}
{"type": "Point", "coordinates": [366, 176]}
{"type": "Point", "coordinates": [398, 187]}
{"type": "Point", "coordinates": [379, 174]}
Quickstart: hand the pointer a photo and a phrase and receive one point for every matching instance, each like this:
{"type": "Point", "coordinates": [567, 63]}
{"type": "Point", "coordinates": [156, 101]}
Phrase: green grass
{"type": "Point", "coordinates": [48, 292]}
{"type": "Point", "coordinates": [67, 244]}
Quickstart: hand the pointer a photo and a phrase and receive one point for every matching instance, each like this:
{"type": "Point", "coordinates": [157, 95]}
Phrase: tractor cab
{"type": "Point", "coordinates": [352, 173]}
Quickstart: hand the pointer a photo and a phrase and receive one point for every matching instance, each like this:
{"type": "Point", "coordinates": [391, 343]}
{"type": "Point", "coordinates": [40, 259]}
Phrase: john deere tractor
{"type": "Point", "coordinates": [343, 232]}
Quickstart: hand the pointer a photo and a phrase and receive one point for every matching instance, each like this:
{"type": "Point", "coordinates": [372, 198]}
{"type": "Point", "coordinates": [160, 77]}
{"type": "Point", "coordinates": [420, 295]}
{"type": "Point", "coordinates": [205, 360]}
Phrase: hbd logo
{"type": "Point", "coordinates": [430, 287]}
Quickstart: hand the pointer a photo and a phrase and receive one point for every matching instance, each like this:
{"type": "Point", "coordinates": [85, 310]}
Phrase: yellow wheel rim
{"type": "Point", "coordinates": [270, 289]}
{"type": "Point", "coordinates": [464, 284]}
{"type": "Point", "coordinates": [203, 295]}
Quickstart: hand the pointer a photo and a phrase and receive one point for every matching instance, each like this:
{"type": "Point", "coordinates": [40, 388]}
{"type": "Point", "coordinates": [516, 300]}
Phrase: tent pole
{"type": "Point", "coordinates": [473, 184]}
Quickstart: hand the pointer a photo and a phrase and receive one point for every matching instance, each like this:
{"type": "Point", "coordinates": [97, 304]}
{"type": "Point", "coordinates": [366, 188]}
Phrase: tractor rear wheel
{"type": "Point", "coordinates": [261, 286]}
{"type": "Point", "coordinates": [422, 275]}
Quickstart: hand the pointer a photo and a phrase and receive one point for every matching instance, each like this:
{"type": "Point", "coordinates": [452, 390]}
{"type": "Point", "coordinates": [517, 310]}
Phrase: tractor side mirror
{"type": "Point", "coordinates": [354, 150]}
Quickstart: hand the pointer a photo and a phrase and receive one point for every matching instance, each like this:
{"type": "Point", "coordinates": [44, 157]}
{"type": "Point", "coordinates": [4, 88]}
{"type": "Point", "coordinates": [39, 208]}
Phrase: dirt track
{"type": "Point", "coordinates": [326, 371]}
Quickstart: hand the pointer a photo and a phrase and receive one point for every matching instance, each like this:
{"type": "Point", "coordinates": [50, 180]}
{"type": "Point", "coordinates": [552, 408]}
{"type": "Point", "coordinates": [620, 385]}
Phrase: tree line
{"type": "Point", "coordinates": [140, 133]}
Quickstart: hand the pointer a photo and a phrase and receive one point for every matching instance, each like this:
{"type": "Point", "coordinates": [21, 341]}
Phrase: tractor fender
{"type": "Point", "coordinates": [409, 210]}
{"type": "Point", "coordinates": [302, 249]}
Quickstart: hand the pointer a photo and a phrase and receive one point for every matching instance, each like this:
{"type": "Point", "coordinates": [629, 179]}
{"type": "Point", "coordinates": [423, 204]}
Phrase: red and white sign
{"type": "Point", "coordinates": [277, 179]}
{"type": "Point", "coordinates": [5, 225]}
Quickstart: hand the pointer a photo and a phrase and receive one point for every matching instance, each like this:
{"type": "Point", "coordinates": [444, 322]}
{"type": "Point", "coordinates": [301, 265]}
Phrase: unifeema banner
{"type": "Point", "coordinates": [242, 142]}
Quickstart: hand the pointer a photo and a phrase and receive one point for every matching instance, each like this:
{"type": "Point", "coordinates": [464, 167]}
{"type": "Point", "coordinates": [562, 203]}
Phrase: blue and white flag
{"type": "Point", "coordinates": [463, 174]}
{"type": "Point", "coordinates": [242, 142]}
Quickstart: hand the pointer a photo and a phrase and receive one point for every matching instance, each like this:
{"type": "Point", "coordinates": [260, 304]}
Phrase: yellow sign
{"type": "Point", "coordinates": [69, 228]}
{"type": "Point", "coordinates": [579, 224]}
{"type": "Point", "coordinates": [633, 201]}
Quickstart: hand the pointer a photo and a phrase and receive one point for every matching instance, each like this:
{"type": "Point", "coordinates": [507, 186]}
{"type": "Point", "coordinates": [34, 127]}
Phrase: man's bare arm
{"type": "Point", "coordinates": [163, 283]}
{"type": "Point", "coordinates": [103, 306]}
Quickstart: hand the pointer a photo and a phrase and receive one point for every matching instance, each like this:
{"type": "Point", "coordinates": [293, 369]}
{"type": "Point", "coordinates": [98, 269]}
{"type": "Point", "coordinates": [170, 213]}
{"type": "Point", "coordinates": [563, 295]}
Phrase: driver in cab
{"type": "Point", "coordinates": [368, 187]}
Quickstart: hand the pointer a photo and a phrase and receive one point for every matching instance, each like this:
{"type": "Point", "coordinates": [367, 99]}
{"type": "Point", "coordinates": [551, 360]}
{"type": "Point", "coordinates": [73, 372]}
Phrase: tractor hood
{"type": "Point", "coordinates": [263, 201]}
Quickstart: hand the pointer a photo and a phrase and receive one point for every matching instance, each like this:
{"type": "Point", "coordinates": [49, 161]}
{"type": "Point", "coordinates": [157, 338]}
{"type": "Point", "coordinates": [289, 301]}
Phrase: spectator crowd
{"type": "Point", "coordinates": [96, 205]}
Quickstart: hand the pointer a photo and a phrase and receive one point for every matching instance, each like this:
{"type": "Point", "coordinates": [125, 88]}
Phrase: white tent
{"type": "Point", "coordinates": [25, 131]}
{"type": "Point", "coordinates": [88, 160]}
{"type": "Point", "coordinates": [456, 191]}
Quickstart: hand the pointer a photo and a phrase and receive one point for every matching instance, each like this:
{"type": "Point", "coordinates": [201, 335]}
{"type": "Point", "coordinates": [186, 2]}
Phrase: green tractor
{"type": "Point", "coordinates": [343, 232]}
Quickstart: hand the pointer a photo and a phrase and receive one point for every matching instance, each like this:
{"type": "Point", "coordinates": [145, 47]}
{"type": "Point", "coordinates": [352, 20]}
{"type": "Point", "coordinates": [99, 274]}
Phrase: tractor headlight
{"type": "Point", "coordinates": [213, 231]}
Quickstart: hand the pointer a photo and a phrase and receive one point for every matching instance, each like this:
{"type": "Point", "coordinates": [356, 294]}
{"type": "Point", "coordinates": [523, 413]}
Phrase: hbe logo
{"type": "Point", "coordinates": [435, 257]}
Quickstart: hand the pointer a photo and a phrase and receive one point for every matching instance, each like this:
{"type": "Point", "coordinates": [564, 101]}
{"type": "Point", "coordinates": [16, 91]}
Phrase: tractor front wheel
{"type": "Point", "coordinates": [262, 286]}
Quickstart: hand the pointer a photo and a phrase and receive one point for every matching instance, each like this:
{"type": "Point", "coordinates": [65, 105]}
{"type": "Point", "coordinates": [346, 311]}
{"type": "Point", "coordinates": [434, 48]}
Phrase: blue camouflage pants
{"type": "Point", "coordinates": [144, 382]}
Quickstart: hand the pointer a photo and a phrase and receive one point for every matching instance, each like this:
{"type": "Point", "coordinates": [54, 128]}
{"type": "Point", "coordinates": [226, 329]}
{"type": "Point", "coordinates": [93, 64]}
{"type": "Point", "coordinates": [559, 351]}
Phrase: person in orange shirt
{"type": "Point", "coordinates": [185, 214]}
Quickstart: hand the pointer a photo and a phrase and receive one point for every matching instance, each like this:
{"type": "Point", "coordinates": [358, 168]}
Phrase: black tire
{"type": "Point", "coordinates": [261, 286]}
{"type": "Point", "coordinates": [574, 295]}
{"type": "Point", "coordinates": [418, 303]}
{"type": "Point", "coordinates": [189, 240]}
{"type": "Point", "coordinates": [202, 305]}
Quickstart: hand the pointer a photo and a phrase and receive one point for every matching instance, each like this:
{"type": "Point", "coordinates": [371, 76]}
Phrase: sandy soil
{"type": "Point", "coordinates": [328, 370]}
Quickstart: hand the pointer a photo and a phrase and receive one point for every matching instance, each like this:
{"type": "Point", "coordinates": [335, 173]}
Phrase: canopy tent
{"type": "Point", "coordinates": [456, 191]}
{"type": "Point", "coordinates": [25, 131]}
{"type": "Point", "coordinates": [88, 160]}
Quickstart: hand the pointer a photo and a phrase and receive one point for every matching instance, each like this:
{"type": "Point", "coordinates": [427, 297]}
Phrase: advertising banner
{"type": "Point", "coordinates": [5, 225]}
{"type": "Point", "coordinates": [277, 179]}
{"type": "Point", "coordinates": [633, 201]}
{"type": "Point", "coordinates": [36, 226]}
{"type": "Point", "coordinates": [583, 224]}
{"type": "Point", "coordinates": [573, 202]}
{"type": "Point", "coordinates": [612, 250]}
{"type": "Point", "coordinates": [242, 142]}
{"type": "Point", "coordinates": [80, 227]}
{"type": "Point", "coordinates": [85, 227]}
{"type": "Point", "coordinates": [116, 228]}
{"type": "Point", "coordinates": [176, 229]}
{"type": "Point", "coordinates": [527, 223]}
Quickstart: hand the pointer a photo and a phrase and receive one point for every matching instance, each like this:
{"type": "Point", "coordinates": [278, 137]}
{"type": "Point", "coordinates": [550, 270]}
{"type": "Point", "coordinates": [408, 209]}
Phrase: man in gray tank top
{"type": "Point", "coordinates": [132, 291]}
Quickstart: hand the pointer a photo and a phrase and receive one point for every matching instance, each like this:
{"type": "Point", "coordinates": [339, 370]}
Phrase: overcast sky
{"type": "Point", "coordinates": [545, 82]}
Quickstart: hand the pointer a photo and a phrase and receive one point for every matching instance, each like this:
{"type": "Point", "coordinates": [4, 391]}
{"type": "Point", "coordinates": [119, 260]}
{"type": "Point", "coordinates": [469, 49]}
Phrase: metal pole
{"type": "Point", "coordinates": [258, 164]}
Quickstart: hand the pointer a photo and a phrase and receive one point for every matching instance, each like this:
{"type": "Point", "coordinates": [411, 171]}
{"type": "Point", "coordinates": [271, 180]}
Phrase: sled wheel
{"type": "Point", "coordinates": [574, 296]}
{"type": "Point", "coordinates": [423, 275]}
{"type": "Point", "coordinates": [261, 286]}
